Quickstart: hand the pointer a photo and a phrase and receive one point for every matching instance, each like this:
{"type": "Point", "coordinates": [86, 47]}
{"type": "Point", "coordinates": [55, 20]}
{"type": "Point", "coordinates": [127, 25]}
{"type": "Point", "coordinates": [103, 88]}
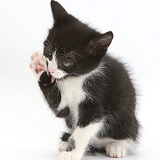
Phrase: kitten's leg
{"type": "Point", "coordinates": [79, 141]}
{"type": "Point", "coordinates": [47, 84]}
{"type": "Point", "coordinates": [50, 90]}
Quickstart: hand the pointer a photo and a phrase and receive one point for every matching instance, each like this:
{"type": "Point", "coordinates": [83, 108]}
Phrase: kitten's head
{"type": "Point", "coordinates": [72, 47]}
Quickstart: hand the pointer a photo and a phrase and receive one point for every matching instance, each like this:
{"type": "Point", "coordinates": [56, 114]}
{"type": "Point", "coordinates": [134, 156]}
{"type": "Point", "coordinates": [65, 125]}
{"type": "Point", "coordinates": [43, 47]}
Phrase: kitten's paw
{"type": "Point", "coordinates": [116, 149]}
{"type": "Point", "coordinates": [38, 64]}
{"type": "Point", "coordinates": [63, 145]}
{"type": "Point", "coordinates": [67, 156]}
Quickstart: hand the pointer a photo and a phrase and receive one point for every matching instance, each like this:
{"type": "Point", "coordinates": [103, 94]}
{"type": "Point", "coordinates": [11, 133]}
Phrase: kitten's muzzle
{"type": "Point", "coordinates": [51, 71]}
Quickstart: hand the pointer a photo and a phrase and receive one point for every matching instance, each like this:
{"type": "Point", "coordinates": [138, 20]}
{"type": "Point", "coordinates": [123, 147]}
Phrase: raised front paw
{"type": "Point", "coordinates": [68, 156]}
{"type": "Point", "coordinates": [38, 64]}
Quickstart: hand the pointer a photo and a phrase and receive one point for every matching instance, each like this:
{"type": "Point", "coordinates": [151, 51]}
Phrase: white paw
{"type": "Point", "coordinates": [67, 156]}
{"type": "Point", "coordinates": [63, 145]}
{"type": "Point", "coordinates": [116, 149]}
{"type": "Point", "coordinates": [38, 64]}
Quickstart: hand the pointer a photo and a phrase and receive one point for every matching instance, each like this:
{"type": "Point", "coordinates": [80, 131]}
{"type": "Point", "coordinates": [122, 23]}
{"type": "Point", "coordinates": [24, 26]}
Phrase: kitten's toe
{"type": "Point", "coordinates": [116, 149]}
{"type": "Point", "coordinates": [63, 145]}
{"type": "Point", "coordinates": [37, 54]}
{"type": "Point", "coordinates": [42, 61]}
{"type": "Point", "coordinates": [35, 57]}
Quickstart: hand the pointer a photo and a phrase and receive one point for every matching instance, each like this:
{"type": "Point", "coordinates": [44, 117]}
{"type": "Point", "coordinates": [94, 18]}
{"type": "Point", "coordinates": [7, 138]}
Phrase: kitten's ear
{"type": "Point", "coordinates": [98, 46]}
{"type": "Point", "coordinates": [58, 11]}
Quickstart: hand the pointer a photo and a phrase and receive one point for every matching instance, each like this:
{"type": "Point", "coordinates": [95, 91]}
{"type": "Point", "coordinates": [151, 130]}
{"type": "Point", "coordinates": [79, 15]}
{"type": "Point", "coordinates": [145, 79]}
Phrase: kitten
{"type": "Point", "coordinates": [88, 88]}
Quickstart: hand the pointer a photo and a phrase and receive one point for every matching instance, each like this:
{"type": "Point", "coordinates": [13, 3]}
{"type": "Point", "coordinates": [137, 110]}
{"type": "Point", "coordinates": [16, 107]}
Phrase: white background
{"type": "Point", "coordinates": [28, 128]}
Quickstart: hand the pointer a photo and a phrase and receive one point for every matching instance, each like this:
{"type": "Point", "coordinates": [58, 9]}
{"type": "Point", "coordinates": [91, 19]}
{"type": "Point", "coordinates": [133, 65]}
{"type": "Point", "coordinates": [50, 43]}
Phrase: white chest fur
{"type": "Point", "coordinates": [72, 93]}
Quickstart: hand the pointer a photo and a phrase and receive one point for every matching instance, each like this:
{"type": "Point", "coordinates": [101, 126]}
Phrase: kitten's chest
{"type": "Point", "coordinates": [72, 93]}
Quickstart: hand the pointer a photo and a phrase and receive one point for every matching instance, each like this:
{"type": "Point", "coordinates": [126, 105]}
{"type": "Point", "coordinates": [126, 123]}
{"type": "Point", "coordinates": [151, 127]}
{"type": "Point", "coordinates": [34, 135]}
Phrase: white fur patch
{"type": "Point", "coordinates": [52, 65]}
{"type": "Point", "coordinates": [71, 94]}
{"type": "Point", "coordinates": [52, 68]}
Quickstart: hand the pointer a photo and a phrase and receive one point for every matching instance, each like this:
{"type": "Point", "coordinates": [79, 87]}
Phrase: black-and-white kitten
{"type": "Point", "coordinates": [89, 89]}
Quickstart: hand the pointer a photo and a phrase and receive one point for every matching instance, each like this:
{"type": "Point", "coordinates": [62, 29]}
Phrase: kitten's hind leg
{"type": "Point", "coordinates": [38, 64]}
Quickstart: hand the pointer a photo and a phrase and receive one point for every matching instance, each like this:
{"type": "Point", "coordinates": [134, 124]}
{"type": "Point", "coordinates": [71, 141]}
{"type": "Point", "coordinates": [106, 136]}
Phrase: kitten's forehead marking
{"type": "Point", "coordinates": [53, 57]}
{"type": "Point", "coordinates": [52, 64]}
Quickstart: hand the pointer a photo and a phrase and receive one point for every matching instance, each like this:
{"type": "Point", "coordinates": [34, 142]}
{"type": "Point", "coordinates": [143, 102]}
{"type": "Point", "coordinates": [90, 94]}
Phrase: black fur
{"type": "Point", "coordinates": [72, 145]}
{"type": "Point", "coordinates": [50, 91]}
{"type": "Point", "coordinates": [118, 102]}
{"type": "Point", "coordinates": [89, 111]}
{"type": "Point", "coordinates": [63, 112]}
{"type": "Point", "coordinates": [65, 136]}
{"type": "Point", "coordinates": [92, 149]}
{"type": "Point", "coordinates": [111, 94]}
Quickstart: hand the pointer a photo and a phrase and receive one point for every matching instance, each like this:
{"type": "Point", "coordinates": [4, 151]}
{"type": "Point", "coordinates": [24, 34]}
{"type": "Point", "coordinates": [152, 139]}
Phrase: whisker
{"type": "Point", "coordinates": [76, 54]}
{"type": "Point", "coordinates": [47, 47]}
{"type": "Point", "coordinates": [49, 43]}
{"type": "Point", "coordinates": [61, 62]}
{"type": "Point", "coordinates": [93, 81]}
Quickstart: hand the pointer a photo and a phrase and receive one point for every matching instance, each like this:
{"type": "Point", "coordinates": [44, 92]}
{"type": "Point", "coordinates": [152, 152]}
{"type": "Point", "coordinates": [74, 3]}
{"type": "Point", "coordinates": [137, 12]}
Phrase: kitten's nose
{"type": "Point", "coordinates": [51, 70]}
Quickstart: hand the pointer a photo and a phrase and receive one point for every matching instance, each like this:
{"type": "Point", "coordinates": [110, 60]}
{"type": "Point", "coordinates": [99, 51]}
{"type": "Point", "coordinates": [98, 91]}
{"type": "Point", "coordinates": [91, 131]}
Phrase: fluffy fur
{"type": "Point", "coordinates": [88, 88]}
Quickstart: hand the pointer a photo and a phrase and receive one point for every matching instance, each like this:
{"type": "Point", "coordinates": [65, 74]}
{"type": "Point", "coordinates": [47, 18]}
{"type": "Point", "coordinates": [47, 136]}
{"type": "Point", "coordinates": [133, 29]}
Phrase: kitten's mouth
{"type": "Point", "coordinates": [52, 79]}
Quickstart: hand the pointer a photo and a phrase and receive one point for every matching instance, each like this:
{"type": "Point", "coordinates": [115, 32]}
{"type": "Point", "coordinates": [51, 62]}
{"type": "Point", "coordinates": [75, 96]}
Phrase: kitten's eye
{"type": "Point", "coordinates": [68, 62]}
